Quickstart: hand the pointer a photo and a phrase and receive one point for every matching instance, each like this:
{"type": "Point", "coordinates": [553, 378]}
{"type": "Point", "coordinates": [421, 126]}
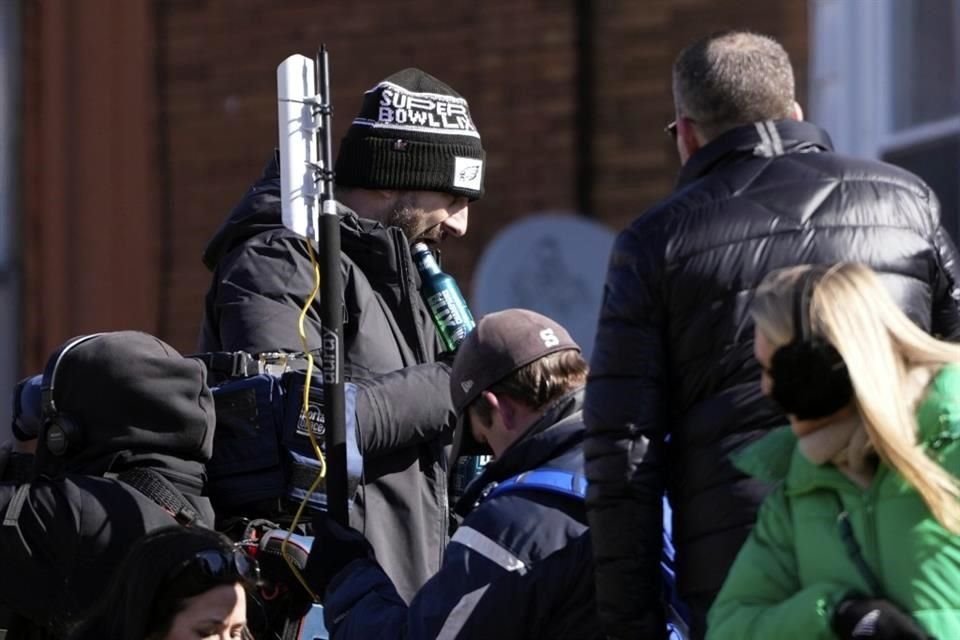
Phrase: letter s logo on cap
{"type": "Point", "coordinates": [549, 338]}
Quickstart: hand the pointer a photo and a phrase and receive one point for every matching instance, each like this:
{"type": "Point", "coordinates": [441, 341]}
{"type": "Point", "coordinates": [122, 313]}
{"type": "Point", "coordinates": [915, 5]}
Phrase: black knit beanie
{"type": "Point", "coordinates": [414, 133]}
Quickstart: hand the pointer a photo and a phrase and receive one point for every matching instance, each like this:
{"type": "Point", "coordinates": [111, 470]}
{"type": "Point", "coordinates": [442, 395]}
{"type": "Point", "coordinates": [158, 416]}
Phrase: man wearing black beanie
{"type": "Point", "coordinates": [407, 170]}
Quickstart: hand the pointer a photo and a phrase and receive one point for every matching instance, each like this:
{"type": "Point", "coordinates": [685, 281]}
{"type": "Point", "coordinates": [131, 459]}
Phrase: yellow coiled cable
{"type": "Point", "coordinates": [309, 426]}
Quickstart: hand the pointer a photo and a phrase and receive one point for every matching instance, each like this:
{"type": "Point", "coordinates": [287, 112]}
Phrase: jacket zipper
{"type": "Point", "coordinates": [406, 280]}
{"type": "Point", "coordinates": [443, 486]}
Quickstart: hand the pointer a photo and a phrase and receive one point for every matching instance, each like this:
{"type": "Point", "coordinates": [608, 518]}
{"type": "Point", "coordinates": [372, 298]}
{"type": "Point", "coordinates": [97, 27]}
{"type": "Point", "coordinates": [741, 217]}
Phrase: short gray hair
{"type": "Point", "coordinates": [733, 78]}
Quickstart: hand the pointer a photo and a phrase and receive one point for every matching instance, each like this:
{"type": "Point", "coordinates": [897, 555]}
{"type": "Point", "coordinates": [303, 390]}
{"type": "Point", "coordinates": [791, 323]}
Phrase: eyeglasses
{"type": "Point", "coordinates": [215, 566]}
{"type": "Point", "coordinates": [671, 129]}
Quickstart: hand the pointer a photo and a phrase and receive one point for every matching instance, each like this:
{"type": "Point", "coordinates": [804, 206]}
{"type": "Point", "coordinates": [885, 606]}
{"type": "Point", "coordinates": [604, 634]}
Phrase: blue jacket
{"type": "Point", "coordinates": [519, 566]}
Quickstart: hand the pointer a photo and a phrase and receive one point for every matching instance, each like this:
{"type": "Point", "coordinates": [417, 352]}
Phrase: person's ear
{"type": "Point", "coordinates": [689, 139]}
{"type": "Point", "coordinates": [495, 407]}
{"type": "Point", "coordinates": [510, 413]}
{"type": "Point", "coordinates": [797, 111]}
{"type": "Point", "coordinates": [388, 195]}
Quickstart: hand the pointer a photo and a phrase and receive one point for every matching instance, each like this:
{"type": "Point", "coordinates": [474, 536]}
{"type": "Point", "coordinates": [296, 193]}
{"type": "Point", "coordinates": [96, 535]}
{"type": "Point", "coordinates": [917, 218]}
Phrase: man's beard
{"type": "Point", "coordinates": [406, 216]}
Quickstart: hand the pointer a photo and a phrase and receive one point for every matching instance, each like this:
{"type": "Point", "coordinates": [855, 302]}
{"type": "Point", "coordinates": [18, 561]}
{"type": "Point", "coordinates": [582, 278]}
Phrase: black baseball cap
{"type": "Point", "coordinates": [500, 344]}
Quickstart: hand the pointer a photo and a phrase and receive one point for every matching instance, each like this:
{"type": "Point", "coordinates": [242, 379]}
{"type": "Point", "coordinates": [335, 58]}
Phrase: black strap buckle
{"type": "Point", "coordinates": [228, 365]}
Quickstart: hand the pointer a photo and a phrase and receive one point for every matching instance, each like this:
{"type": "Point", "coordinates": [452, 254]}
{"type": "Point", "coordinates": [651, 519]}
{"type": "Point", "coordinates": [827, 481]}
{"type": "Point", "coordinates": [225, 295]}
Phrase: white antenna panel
{"type": "Point", "coordinates": [299, 191]}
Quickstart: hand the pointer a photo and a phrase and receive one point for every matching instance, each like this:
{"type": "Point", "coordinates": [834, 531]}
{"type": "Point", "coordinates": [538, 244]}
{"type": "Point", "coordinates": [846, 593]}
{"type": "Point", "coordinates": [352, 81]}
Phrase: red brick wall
{"type": "Point", "coordinates": [516, 62]}
{"type": "Point", "coordinates": [88, 185]}
{"type": "Point", "coordinates": [636, 162]}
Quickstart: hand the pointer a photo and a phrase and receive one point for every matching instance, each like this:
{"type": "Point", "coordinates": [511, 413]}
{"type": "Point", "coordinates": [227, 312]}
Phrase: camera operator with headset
{"type": "Point", "coordinates": [126, 425]}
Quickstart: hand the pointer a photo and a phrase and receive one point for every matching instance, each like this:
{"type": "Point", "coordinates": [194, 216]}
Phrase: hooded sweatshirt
{"type": "Point", "coordinates": [134, 403]}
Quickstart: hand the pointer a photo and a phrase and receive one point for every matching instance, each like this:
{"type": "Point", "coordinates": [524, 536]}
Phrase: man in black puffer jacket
{"type": "Point", "coordinates": [673, 386]}
{"type": "Point", "coordinates": [406, 172]}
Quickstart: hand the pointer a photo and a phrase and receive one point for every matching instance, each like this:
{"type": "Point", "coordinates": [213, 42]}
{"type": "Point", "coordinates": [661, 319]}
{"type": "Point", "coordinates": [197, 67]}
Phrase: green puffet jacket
{"type": "Point", "coordinates": [794, 569]}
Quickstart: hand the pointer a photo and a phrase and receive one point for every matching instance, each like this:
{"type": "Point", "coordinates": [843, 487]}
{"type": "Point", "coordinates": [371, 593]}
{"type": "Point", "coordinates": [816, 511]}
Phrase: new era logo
{"type": "Point", "coordinates": [466, 385]}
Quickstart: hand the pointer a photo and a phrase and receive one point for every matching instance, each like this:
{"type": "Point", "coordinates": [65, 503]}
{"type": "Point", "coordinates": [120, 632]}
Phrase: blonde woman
{"type": "Point", "coordinates": [860, 539]}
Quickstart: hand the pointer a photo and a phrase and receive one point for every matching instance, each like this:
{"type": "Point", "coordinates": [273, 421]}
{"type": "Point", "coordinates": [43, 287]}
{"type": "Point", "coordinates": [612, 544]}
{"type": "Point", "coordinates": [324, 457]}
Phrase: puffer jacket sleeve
{"type": "Point", "coordinates": [260, 292]}
{"type": "Point", "coordinates": [762, 596]}
{"type": "Point", "coordinates": [625, 417]}
{"type": "Point", "coordinates": [404, 408]}
{"type": "Point", "coordinates": [945, 319]}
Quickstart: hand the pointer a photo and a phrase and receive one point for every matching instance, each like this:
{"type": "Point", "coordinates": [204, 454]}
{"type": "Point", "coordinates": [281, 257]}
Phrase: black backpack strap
{"type": "Point", "coordinates": [11, 517]}
{"type": "Point", "coordinates": [164, 493]}
{"type": "Point", "coordinates": [228, 364]}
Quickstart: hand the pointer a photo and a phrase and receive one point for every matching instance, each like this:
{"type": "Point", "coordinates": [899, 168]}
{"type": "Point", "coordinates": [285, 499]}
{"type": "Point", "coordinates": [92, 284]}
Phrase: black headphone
{"type": "Point", "coordinates": [60, 432]}
{"type": "Point", "coordinates": [810, 378]}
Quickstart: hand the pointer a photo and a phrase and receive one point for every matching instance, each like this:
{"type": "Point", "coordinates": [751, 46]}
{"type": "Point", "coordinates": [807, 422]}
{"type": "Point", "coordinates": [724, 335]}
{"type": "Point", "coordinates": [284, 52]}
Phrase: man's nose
{"type": "Point", "coordinates": [456, 224]}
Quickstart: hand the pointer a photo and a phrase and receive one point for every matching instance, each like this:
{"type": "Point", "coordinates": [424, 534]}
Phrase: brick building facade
{"type": "Point", "coordinates": [144, 121]}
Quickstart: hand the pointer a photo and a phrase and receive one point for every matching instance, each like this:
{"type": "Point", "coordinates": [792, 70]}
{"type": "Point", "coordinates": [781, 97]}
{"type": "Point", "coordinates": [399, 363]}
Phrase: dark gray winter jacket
{"type": "Point", "coordinates": [261, 278]}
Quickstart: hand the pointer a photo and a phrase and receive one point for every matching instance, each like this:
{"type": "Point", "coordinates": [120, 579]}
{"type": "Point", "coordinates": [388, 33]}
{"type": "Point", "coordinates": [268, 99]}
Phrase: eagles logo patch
{"type": "Point", "coordinates": [468, 173]}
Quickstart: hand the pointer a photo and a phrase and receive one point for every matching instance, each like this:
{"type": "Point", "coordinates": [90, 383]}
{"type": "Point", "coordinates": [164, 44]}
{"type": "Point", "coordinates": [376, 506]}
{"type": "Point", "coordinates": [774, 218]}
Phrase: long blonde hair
{"type": "Point", "coordinates": [884, 352]}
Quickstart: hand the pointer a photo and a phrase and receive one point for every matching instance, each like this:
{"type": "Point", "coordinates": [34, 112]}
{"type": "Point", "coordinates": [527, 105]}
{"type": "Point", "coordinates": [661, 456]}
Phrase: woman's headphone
{"type": "Point", "coordinates": [61, 433]}
{"type": "Point", "coordinates": [810, 378]}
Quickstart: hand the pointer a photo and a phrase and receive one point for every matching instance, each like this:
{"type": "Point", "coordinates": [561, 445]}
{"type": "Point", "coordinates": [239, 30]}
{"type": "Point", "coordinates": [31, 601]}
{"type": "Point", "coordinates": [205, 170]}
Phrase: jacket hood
{"type": "Point", "coordinates": [768, 458]}
{"type": "Point", "coordinates": [767, 139]}
{"type": "Point", "coordinates": [375, 248]}
{"type": "Point", "coordinates": [257, 211]}
{"type": "Point", "coordinates": [776, 459]}
{"type": "Point", "coordinates": [135, 401]}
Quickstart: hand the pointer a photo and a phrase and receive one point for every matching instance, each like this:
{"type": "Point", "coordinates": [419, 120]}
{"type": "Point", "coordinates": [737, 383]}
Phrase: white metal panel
{"type": "Point", "coordinates": [299, 193]}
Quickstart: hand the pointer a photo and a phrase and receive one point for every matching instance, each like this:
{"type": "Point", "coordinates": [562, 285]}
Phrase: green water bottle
{"type": "Point", "coordinates": [442, 296]}
{"type": "Point", "coordinates": [453, 321]}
